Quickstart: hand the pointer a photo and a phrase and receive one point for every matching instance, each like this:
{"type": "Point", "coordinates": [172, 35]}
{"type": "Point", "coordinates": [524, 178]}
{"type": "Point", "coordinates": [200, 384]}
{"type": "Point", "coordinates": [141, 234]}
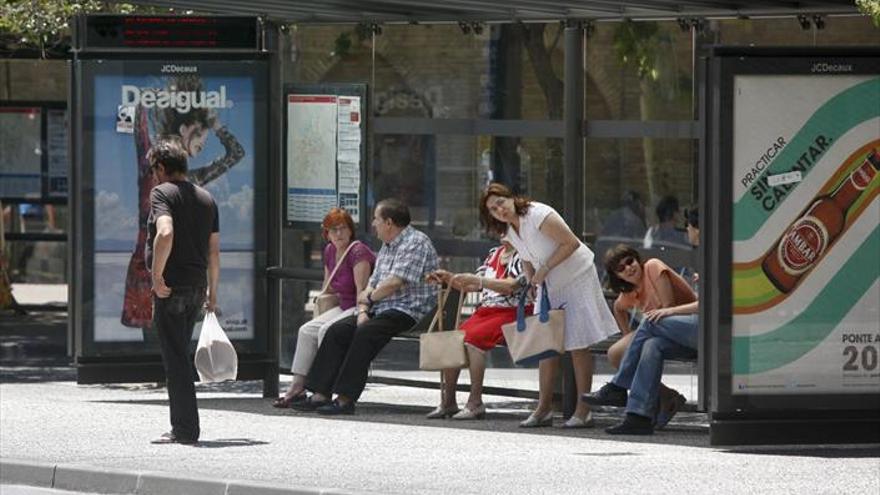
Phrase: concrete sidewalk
{"type": "Point", "coordinates": [96, 438]}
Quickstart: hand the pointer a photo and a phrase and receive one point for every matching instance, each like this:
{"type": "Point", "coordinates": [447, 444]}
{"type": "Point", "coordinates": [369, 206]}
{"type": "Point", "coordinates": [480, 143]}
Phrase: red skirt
{"type": "Point", "coordinates": [483, 329]}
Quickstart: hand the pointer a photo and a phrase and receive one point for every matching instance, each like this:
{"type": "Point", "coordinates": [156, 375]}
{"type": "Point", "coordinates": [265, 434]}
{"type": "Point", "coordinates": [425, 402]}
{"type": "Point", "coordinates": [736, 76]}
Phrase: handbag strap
{"type": "Point", "coordinates": [338, 264]}
{"type": "Point", "coordinates": [441, 304]}
{"type": "Point", "coordinates": [543, 307]}
{"type": "Point", "coordinates": [438, 315]}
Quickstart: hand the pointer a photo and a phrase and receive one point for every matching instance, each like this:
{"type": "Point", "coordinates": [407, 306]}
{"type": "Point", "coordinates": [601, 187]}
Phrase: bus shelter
{"type": "Point", "coordinates": [746, 392]}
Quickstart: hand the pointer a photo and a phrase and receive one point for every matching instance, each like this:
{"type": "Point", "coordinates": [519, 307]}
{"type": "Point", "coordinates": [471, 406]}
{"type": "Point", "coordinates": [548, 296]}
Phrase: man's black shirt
{"type": "Point", "coordinates": [195, 217]}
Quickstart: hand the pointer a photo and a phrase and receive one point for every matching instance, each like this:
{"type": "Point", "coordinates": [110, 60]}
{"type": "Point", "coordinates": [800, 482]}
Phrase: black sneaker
{"type": "Point", "coordinates": [632, 425]}
{"type": "Point", "coordinates": [335, 408]}
{"type": "Point", "coordinates": [609, 395]}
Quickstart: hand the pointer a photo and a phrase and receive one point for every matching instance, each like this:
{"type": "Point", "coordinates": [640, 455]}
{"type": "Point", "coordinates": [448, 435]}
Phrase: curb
{"type": "Point", "coordinates": [98, 480]}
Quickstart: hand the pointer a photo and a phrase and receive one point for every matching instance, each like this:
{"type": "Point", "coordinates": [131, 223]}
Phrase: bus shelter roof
{"type": "Point", "coordinates": [451, 11]}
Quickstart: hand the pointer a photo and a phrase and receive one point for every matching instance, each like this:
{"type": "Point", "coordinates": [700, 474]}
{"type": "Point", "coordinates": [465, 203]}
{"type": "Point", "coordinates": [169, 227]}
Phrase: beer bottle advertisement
{"type": "Point", "coordinates": [806, 234]}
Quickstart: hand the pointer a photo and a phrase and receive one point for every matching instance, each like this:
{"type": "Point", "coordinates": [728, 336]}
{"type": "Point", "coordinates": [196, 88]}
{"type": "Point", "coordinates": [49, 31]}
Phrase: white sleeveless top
{"type": "Point", "coordinates": [537, 248]}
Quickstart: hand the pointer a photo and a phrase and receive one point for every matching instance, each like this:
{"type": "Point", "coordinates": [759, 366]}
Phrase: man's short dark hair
{"type": "Point", "coordinates": [666, 208]}
{"type": "Point", "coordinates": [394, 210]}
{"type": "Point", "coordinates": [168, 151]}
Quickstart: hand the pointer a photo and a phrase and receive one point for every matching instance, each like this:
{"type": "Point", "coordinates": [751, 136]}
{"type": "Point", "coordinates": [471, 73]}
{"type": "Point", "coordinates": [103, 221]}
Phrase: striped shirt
{"type": "Point", "coordinates": [492, 267]}
{"type": "Point", "coordinates": [409, 257]}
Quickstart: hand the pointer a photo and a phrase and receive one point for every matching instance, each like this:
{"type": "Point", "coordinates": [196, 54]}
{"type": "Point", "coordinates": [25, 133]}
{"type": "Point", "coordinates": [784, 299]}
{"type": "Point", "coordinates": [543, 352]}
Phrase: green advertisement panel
{"type": "Point", "coordinates": [805, 271]}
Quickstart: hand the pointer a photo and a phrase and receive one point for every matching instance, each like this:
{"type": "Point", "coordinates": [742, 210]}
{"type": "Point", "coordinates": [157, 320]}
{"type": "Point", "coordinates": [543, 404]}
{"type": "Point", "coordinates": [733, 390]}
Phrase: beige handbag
{"type": "Point", "coordinates": [325, 301]}
{"type": "Point", "coordinates": [440, 350]}
{"type": "Point", "coordinates": [537, 337]}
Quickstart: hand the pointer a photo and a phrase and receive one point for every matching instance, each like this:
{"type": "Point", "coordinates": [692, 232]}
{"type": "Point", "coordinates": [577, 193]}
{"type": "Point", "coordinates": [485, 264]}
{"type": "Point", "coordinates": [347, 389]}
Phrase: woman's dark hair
{"type": "Point", "coordinates": [393, 209]}
{"type": "Point", "coordinates": [169, 119]}
{"type": "Point", "coordinates": [520, 203]}
{"type": "Point", "coordinates": [168, 151]}
{"type": "Point", "coordinates": [613, 257]}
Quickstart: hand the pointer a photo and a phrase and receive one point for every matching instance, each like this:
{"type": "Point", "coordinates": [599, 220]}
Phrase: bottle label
{"type": "Point", "coordinates": [802, 245]}
{"type": "Point", "coordinates": [862, 176]}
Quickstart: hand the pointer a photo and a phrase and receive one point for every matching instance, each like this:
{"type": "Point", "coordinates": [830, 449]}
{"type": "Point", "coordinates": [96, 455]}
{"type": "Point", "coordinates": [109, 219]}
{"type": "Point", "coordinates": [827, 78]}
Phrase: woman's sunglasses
{"type": "Point", "coordinates": [625, 263]}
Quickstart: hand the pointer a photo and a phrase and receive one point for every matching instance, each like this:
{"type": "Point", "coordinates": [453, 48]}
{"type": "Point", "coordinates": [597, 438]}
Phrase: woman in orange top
{"type": "Point", "coordinates": [653, 289]}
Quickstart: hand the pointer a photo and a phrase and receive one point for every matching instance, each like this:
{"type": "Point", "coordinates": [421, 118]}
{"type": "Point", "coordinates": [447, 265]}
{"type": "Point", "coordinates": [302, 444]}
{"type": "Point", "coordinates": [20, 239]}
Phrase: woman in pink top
{"type": "Point", "coordinates": [348, 281]}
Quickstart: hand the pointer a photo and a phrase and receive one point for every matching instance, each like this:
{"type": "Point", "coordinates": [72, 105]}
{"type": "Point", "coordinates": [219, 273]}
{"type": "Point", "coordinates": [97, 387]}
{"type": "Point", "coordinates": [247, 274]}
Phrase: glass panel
{"type": "Point", "coordinates": [634, 186]}
{"type": "Point", "coordinates": [20, 152]}
{"type": "Point", "coordinates": [432, 71]}
{"type": "Point", "coordinates": [639, 71]}
{"type": "Point", "coordinates": [34, 218]}
{"type": "Point", "coordinates": [37, 262]}
{"type": "Point", "coordinates": [319, 54]}
{"type": "Point", "coordinates": [33, 80]}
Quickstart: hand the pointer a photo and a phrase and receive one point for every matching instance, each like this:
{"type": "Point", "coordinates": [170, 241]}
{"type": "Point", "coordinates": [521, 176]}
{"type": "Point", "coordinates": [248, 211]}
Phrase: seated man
{"type": "Point", "coordinates": [395, 298]}
{"type": "Point", "coordinates": [664, 333]}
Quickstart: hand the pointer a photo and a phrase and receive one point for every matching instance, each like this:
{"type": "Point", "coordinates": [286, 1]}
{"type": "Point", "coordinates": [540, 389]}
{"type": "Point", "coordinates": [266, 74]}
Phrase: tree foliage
{"type": "Point", "coordinates": [45, 24]}
{"type": "Point", "coordinates": [870, 8]}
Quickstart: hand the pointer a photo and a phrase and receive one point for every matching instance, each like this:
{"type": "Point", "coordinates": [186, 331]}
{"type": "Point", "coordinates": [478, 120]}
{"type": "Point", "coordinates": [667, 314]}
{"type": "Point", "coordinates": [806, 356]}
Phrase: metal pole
{"type": "Point", "coordinates": [573, 115]}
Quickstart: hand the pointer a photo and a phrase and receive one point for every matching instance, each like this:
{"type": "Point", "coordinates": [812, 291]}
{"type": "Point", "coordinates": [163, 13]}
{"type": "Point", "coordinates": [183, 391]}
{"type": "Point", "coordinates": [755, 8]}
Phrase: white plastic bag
{"type": "Point", "coordinates": [215, 359]}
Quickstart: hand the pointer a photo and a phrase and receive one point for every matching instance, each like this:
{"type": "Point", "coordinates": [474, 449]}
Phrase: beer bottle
{"type": "Point", "coordinates": [807, 238]}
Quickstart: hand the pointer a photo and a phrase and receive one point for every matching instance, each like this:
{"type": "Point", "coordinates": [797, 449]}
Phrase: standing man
{"type": "Point", "coordinates": [183, 251]}
{"type": "Point", "coordinates": [396, 297]}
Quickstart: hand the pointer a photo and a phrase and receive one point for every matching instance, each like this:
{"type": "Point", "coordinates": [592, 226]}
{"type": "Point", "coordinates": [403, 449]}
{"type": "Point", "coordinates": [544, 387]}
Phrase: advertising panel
{"type": "Point", "coordinates": [213, 108]}
{"type": "Point", "coordinates": [805, 278]}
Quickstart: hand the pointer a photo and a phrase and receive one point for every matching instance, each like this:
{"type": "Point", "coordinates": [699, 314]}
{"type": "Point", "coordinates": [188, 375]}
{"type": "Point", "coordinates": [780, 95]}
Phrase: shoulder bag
{"type": "Point", "coordinates": [440, 350]}
{"type": "Point", "coordinates": [325, 301]}
{"type": "Point", "coordinates": [531, 339]}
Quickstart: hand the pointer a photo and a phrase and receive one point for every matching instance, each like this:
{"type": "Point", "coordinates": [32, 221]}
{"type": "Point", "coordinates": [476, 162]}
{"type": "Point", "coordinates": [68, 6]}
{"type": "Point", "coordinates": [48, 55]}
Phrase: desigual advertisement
{"type": "Point", "coordinates": [211, 108]}
{"type": "Point", "coordinates": [806, 231]}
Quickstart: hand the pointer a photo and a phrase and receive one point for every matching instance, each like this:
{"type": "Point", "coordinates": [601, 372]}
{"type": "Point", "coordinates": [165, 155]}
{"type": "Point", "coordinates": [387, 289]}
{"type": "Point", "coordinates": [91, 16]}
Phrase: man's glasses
{"type": "Point", "coordinates": [625, 263]}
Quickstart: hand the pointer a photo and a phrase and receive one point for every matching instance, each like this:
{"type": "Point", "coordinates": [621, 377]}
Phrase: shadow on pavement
{"type": "Point", "coordinates": [691, 432]}
{"type": "Point", "coordinates": [222, 443]}
{"type": "Point", "coordinates": [35, 372]}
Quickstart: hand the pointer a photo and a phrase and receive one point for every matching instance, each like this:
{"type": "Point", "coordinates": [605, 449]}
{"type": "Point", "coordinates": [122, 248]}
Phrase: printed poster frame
{"type": "Point", "coordinates": [716, 198]}
{"type": "Point", "coordinates": [329, 89]}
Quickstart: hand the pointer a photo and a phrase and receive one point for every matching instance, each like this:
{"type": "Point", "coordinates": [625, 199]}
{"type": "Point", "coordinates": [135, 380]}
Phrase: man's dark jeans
{"type": "Point", "coordinates": [343, 360]}
{"type": "Point", "coordinates": [173, 321]}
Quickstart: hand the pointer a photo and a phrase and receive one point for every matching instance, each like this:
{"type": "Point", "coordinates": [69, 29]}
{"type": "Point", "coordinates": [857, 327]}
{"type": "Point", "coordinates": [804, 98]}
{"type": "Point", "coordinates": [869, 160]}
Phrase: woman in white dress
{"type": "Point", "coordinates": [552, 254]}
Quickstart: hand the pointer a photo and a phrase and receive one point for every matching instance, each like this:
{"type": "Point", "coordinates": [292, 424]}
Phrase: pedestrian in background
{"type": "Point", "coordinates": [183, 251]}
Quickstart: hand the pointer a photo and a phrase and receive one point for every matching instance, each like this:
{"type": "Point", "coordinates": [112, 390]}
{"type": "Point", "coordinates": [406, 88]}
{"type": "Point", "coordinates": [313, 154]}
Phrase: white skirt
{"type": "Point", "coordinates": [587, 317]}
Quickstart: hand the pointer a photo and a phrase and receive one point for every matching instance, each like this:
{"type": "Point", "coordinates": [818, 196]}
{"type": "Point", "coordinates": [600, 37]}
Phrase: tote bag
{"type": "Point", "coordinates": [216, 359]}
{"type": "Point", "coordinates": [325, 301]}
{"type": "Point", "coordinates": [439, 350]}
{"type": "Point", "coordinates": [531, 339]}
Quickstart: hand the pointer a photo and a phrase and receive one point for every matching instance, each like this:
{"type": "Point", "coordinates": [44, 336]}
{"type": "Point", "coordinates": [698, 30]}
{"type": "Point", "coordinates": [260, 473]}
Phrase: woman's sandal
{"type": "Point", "coordinates": [284, 402]}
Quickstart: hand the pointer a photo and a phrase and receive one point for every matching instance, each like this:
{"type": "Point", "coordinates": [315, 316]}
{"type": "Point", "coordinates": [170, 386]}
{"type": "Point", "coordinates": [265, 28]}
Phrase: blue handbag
{"type": "Point", "coordinates": [533, 338]}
